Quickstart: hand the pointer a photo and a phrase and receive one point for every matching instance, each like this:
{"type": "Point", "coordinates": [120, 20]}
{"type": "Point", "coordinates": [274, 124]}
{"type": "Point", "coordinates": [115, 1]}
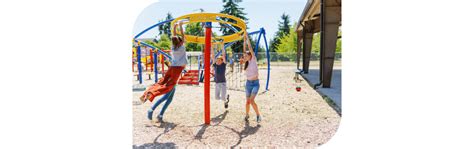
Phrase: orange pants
{"type": "Point", "coordinates": [165, 84]}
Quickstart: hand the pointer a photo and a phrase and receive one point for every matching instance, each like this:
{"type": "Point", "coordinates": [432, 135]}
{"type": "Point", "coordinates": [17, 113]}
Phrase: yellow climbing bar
{"type": "Point", "coordinates": [212, 17]}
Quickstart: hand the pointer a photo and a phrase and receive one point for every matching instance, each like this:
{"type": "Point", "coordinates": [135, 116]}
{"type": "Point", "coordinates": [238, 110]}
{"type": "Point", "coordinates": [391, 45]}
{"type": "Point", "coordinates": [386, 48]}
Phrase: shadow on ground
{"type": "Point", "coordinates": [217, 120]}
{"type": "Point", "coordinates": [248, 130]}
{"type": "Point", "coordinates": [168, 127]}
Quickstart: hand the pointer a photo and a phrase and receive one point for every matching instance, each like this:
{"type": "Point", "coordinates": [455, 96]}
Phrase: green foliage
{"type": "Point", "coordinates": [315, 47]}
{"type": "Point", "coordinates": [339, 43]}
{"type": "Point", "coordinates": [317, 40]}
{"type": "Point", "coordinates": [151, 43]}
{"type": "Point", "coordinates": [166, 28]}
{"type": "Point", "coordinates": [283, 29]}
{"type": "Point", "coordinates": [164, 42]}
{"type": "Point", "coordinates": [197, 30]}
{"type": "Point", "coordinates": [288, 43]}
{"type": "Point", "coordinates": [231, 7]}
{"type": "Point", "coordinates": [284, 25]}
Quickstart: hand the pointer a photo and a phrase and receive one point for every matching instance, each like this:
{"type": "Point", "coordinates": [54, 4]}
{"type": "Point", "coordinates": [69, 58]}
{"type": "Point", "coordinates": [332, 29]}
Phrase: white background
{"type": "Point", "coordinates": [65, 74]}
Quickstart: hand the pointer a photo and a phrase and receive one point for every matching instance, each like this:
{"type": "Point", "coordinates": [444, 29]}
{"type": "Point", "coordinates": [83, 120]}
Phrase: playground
{"type": "Point", "coordinates": [290, 118]}
{"type": "Point", "coordinates": [294, 114]}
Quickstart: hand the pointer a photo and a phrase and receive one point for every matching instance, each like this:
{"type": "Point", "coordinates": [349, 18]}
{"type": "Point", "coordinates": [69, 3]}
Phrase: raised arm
{"type": "Point", "coordinates": [212, 56]}
{"type": "Point", "coordinates": [182, 31]}
{"type": "Point", "coordinates": [180, 23]}
{"type": "Point", "coordinates": [245, 44]}
{"type": "Point", "coordinates": [249, 44]}
{"type": "Point", "coordinates": [174, 28]}
{"type": "Point", "coordinates": [224, 54]}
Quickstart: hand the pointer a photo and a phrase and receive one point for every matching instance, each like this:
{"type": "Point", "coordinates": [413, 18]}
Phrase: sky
{"type": "Point", "coordinates": [261, 13]}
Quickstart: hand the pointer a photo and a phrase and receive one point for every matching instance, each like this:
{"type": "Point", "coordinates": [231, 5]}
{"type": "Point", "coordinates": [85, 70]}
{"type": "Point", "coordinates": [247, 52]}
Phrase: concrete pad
{"type": "Point", "coordinates": [334, 92]}
{"type": "Point", "coordinates": [138, 87]}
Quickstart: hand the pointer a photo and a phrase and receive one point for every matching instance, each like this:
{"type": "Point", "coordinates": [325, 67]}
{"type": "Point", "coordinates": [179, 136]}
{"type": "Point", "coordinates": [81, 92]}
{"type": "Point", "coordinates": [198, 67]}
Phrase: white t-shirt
{"type": "Point", "coordinates": [179, 57]}
{"type": "Point", "coordinates": [252, 68]}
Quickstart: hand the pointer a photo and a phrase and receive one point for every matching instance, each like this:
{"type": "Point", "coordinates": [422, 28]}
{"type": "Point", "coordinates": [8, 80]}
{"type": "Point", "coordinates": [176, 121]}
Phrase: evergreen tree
{"type": "Point", "coordinates": [283, 29]}
{"type": "Point", "coordinates": [288, 43]}
{"type": "Point", "coordinates": [284, 25]}
{"type": "Point", "coordinates": [166, 28]}
{"type": "Point", "coordinates": [231, 7]}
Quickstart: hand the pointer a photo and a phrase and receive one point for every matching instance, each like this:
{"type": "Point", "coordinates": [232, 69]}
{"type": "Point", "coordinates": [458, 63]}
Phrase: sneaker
{"type": "Point", "coordinates": [150, 114]}
{"type": "Point", "coordinates": [160, 118]}
{"type": "Point", "coordinates": [226, 103]}
{"type": "Point", "coordinates": [246, 118]}
{"type": "Point", "coordinates": [144, 98]}
{"type": "Point", "coordinates": [259, 119]}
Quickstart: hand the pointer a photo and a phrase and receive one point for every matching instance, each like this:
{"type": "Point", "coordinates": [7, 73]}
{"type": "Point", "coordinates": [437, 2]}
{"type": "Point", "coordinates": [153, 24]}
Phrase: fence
{"type": "Point", "coordinates": [286, 59]}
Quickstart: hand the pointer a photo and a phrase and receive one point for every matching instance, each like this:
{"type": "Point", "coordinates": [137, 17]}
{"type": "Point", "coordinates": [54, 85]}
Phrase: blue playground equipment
{"type": "Point", "coordinates": [260, 32]}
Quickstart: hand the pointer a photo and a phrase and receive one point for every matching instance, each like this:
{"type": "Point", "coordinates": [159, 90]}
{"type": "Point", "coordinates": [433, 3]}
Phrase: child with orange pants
{"type": "Point", "coordinates": [178, 63]}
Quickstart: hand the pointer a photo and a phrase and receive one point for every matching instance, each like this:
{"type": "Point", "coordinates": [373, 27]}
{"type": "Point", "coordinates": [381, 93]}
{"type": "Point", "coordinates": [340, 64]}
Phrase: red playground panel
{"type": "Point", "coordinates": [190, 78]}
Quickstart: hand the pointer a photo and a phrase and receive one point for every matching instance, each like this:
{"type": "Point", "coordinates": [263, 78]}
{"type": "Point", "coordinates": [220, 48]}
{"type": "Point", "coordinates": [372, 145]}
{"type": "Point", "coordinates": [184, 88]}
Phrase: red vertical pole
{"type": "Point", "coordinates": [207, 77]}
{"type": "Point", "coordinates": [151, 59]}
{"type": "Point", "coordinates": [162, 60]}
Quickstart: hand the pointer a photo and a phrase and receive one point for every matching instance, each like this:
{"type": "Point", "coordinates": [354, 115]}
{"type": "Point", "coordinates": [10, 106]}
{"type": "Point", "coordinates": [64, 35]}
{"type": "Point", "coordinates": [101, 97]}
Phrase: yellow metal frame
{"type": "Point", "coordinates": [211, 17]}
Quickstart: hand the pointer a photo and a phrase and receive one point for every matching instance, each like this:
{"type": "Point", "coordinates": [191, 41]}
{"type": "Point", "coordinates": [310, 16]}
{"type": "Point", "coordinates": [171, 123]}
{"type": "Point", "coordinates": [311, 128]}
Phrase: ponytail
{"type": "Point", "coordinates": [247, 62]}
{"type": "Point", "coordinates": [246, 65]}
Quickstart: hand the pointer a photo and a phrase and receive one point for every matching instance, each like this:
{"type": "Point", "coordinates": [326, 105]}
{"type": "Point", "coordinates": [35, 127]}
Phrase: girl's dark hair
{"type": "Point", "coordinates": [176, 40]}
{"type": "Point", "coordinates": [247, 62]}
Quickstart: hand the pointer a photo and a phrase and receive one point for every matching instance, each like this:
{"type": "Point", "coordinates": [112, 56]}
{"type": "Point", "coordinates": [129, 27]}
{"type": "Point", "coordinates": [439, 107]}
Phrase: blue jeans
{"type": "Point", "coordinates": [251, 88]}
{"type": "Point", "coordinates": [168, 98]}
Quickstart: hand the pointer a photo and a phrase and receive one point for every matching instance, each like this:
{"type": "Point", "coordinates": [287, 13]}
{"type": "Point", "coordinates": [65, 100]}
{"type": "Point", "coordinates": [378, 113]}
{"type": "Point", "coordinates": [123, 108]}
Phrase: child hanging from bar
{"type": "Point", "coordinates": [178, 63]}
{"type": "Point", "coordinates": [219, 75]}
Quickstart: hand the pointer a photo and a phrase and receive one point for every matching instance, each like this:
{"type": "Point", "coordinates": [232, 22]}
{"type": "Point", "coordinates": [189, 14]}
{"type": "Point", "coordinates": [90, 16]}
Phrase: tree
{"type": "Point", "coordinates": [283, 29]}
{"type": "Point", "coordinates": [232, 8]}
{"type": "Point", "coordinates": [317, 40]}
{"type": "Point", "coordinates": [339, 43]}
{"type": "Point", "coordinates": [288, 43]}
{"type": "Point", "coordinates": [196, 30]}
{"type": "Point", "coordinates": [284, 25]}
{"type": "Point", "coordinates": [315, 47]}
{"type": "Point", "coordinates": [163, 43]}
{"type": "Point", "coordinates": [287, 47]}
{"type": "Point", "coordinates": [166, 28]}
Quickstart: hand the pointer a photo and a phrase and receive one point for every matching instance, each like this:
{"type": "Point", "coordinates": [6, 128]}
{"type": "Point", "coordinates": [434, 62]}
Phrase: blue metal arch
{"type": "Point", "coordinates": [154, 48]}
{"type": "Point", "coordinates": [151, 27]}
{"type": "Point", "coordinates": [260, 32]}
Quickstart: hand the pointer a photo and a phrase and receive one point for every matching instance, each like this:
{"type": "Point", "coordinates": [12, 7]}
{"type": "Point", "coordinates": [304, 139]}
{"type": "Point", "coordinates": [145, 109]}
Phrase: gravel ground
{"type": "Point", "coordinates": [290, 118]}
